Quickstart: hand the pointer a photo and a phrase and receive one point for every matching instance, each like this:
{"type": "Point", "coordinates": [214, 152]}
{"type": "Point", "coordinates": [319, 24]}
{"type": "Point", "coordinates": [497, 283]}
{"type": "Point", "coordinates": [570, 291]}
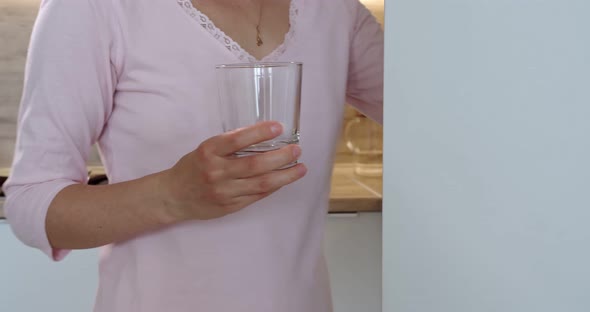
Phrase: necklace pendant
{"type": "Point", "coordinates": [259, 41]}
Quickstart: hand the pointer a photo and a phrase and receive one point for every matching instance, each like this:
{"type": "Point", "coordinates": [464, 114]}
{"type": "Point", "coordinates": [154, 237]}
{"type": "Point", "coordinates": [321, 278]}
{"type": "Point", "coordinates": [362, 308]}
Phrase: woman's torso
{"type": "Point", "coordinates": [267, 257]}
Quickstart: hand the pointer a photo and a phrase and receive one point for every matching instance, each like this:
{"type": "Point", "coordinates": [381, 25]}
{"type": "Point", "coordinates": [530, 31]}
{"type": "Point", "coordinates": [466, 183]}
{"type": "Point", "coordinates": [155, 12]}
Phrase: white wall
{"type": "Point", "coordinates": [487, 168]}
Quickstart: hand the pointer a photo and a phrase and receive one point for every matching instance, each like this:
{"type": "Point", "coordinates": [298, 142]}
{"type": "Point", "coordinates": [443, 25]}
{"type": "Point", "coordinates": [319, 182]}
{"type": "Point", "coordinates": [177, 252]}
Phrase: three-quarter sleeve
{"type": "Point", "coordinates": [67, 99]}
{"type": "Point", "coordinates": [365, 74]}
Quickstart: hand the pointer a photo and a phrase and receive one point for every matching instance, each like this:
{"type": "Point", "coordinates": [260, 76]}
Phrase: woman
{"type": "Point", "coordinates": [183, 226]}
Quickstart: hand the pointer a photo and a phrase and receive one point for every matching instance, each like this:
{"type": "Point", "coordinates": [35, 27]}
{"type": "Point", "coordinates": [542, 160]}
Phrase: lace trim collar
{"type": "Point", "coordinates": [229, 43]}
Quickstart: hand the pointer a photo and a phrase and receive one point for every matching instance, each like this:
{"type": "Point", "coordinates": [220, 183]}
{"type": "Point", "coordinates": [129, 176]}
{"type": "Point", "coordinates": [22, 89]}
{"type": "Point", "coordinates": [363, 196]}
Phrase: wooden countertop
{"type": "Point", "coordinates": [350, 193]}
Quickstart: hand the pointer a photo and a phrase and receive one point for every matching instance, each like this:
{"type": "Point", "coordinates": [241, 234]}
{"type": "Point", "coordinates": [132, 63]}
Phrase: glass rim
{"type": "Point", "coordinates": [258, 65]}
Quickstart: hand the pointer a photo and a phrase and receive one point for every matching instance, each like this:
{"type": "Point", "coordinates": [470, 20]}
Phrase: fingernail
{"type": "Point", "coordinates": [302, 170]}
{"type": "Point", "coordinates": [276, 129]}
{"type": "Point", "coordinates": [296, 151]}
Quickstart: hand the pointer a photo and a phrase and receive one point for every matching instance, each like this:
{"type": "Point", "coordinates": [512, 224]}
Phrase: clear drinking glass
{"type": "Point", "coordinates": [257, 92]}
{"type": "Point", "coordinates": [364, 138]}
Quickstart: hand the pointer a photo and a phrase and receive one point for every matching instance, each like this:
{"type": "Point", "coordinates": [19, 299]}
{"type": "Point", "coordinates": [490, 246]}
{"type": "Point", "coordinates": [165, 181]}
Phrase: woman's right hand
{"type": "Point", "coordinates": [210, 182]}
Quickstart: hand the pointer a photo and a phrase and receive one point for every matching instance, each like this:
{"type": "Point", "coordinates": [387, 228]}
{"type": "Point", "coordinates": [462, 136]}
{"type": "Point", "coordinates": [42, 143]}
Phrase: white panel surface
{"type": "Point", "coordinates": [487, 156]}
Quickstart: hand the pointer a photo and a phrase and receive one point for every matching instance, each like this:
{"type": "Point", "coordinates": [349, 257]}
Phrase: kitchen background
{"type": "Point", "coordinates": [353, 235]}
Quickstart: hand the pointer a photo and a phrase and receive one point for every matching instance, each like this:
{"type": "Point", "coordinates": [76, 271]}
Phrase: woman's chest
{"type": "Point", "coordinates": [167, 89]}
{"type": "Point", "coordinates": [259, 26]}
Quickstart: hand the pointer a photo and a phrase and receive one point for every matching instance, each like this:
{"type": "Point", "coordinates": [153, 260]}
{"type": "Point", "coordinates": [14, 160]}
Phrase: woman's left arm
{"type": "Point", "coordinates": [365, 73]}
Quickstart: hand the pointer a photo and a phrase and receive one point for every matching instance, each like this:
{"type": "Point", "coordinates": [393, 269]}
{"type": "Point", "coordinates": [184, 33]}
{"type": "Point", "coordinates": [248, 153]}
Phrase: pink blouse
{"type": "Point", "coordinates": [136, 78]}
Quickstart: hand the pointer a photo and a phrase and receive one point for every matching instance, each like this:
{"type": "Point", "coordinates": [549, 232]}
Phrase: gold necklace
{"type": "Point", "coordinates": [259, 41]}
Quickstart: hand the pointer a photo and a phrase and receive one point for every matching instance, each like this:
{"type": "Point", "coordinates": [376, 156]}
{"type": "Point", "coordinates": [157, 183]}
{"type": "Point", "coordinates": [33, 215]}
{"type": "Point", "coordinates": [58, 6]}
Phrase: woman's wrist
{"type": "Point", "coordinates": [167, 208]}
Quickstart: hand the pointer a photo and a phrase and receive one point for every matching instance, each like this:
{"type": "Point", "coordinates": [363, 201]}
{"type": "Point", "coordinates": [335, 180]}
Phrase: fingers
{"type": "Point", "coordinates": [250, 166]}
{"type": "Point", "coordinates": [231, 142]}
{"type": "Point", "coordinates": [266, 183]}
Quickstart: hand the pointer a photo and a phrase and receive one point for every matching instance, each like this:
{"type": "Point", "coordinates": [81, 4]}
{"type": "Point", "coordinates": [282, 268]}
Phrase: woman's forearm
{"type": "Point", "coordinates": [204, 184]}
{"type": "Point", "coordinates": [84, 216]}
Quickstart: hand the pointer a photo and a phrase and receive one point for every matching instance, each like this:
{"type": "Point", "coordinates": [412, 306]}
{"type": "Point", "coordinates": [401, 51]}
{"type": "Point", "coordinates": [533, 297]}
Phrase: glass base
{"type": "Point", "coordinates": [267, 146]}
{"type": "Point", "coordinates": [250, 153]}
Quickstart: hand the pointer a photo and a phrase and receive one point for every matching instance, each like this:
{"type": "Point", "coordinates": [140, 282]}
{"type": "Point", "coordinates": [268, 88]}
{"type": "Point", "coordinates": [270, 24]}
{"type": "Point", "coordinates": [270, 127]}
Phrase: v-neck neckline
{"type": "Point", "coordinates": [231, 45]}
